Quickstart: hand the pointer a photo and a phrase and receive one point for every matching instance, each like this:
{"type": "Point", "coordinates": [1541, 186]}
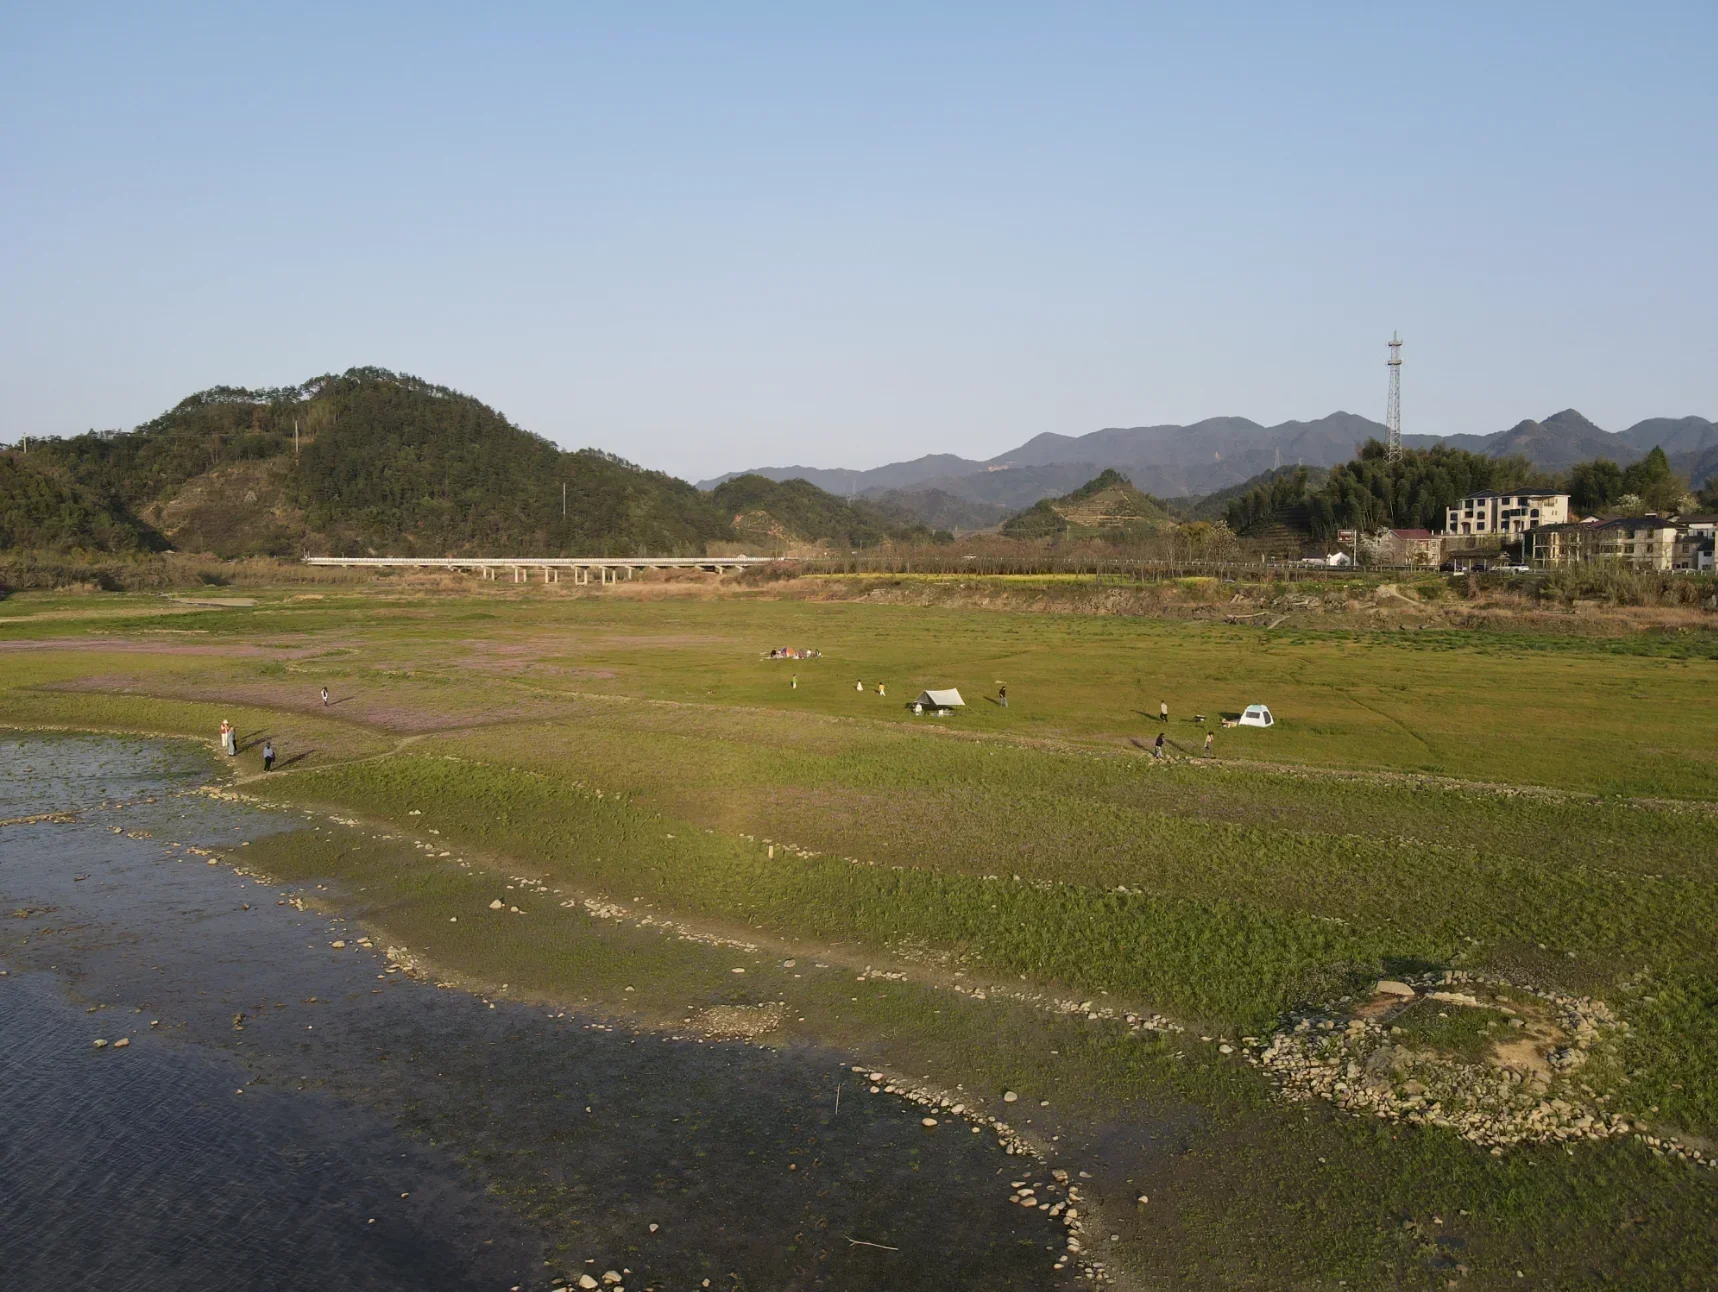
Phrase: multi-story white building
{"type": "Point", "coordinates": [1629, 542]}
{"type": "Point", "coordinates": [1499, 516]}
{"type": "Point", "coordinates": [1696, 545]}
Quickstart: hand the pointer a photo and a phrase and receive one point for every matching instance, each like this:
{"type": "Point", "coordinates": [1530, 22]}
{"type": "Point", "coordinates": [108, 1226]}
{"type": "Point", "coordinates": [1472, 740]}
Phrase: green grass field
{"type": "Point", "coordinates": [1533, 807]}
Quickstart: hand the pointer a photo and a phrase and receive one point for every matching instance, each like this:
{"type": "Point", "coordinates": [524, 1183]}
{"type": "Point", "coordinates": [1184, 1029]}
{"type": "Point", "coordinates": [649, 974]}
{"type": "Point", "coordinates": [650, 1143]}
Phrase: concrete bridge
{"type": "Point", "coordinates": [607, 569]}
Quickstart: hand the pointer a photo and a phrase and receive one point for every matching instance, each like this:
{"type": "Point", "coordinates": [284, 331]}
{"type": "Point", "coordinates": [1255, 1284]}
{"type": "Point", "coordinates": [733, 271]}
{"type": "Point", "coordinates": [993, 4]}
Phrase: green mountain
{"type": "Point", "coordinates": [1107, 506]}
{"type": "Point", "coordinates": [940, 509]}
{"type": "Point", "coordinates": [371, 461]}
{"type": "Point", "coordinates": [40, 507]}
{"type": "Point", "coordinates": [1216, 506]}
{"type": "Point", "coordinates": [787, 511]}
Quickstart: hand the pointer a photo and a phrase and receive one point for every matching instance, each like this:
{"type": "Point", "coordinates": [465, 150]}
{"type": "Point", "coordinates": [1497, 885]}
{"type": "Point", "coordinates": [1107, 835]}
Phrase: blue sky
{"type": "Point", "coordinates": [716, 236]}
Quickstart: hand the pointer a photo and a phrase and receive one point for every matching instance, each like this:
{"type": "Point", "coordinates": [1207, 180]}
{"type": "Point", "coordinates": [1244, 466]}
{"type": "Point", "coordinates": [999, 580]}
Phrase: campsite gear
{"type": "Point", "coordinates": [939, 700]}
{"type": "Point", "coordinates": [1256, 715]}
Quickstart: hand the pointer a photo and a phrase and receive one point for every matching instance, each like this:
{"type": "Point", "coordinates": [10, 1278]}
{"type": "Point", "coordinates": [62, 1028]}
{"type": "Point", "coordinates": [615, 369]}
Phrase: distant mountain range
{"type": "Point", "coordinates": [1221, 452]}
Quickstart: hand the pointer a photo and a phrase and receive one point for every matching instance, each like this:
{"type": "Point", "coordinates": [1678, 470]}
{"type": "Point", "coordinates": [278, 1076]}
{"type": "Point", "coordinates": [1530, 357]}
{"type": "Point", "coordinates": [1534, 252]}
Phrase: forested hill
{"type": "Point", "coordinates": [373, 462]}
{"type": "Point", "coordinates": [765, 509]}
{"type": "Point", "coordinates": [1107, 506]}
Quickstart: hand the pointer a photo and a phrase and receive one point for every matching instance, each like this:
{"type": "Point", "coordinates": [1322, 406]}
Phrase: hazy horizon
{"type": "Point", "coordinates": [769, 237]}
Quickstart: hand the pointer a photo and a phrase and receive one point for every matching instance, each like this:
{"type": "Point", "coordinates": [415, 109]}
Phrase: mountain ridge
{"type": "Point", "coordinates": [1217, 453]}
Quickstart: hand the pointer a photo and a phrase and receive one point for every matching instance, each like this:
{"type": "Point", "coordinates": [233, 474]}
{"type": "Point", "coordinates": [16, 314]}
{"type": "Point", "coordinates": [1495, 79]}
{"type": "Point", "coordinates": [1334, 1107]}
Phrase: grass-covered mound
{"type": "Point", "coordinates": [1107, 506]}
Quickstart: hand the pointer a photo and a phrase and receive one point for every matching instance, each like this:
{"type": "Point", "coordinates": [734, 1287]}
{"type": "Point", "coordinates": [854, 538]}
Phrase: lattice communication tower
{"type": "Point", "coordinates": [1393, 413]}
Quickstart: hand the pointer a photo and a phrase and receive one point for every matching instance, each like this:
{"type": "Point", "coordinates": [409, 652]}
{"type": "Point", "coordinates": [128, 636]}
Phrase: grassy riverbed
{"type": "Point", "coordinates": [1533, 808]}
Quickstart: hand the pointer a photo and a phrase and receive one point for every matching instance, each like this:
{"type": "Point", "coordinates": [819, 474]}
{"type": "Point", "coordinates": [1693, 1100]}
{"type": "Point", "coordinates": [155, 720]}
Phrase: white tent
{"type": "Point", "coordinates": [949, 699]}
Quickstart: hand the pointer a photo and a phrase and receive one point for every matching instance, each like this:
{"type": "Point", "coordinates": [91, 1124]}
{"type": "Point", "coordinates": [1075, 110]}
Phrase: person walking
{"type": "Point", "coordinates": [229, 739]}
{"type": "Point", "coordinates": [881, 690]}
{"type": "Point", "coordinates": [268, 755]}
{"type": "Point", "coordinates": [1002, 694]}
{"type": "Point", "coordinates": [324, 697]}
{"type": "Point", "coordinates": [1209, 739]}
{"type": "Point", "coordinates": [859, 685]}
{"type": "Point", "coordinates": [1157, 746]}
{"type": "Point", "coordinates": [1163, 711]}
{"type": "Point", "coordinates": [793, 684]}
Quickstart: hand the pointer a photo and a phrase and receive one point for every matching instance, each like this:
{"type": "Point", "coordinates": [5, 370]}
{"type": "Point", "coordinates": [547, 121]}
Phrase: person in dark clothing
{"type": "Point", "coordinates": [1002, 696]}
{"type": "Point", "coordinates": [1157, 746]}
{"type": "Point", "coordinates": [268, 755]}
{"type": "Point", "coordinates": [324, 697]}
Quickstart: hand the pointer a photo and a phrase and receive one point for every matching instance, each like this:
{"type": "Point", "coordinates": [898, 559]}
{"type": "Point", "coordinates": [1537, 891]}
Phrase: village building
{"type": "Point", "coordinates": [1696, 539]}
{"type": "Point", "coordinates": [1496, 517]}
{"type": "Point", "coordinates": [1629, 542]}
{"type": "Point", "coordinates": [1412, 547]}
{"type": "Point", "coordinates": [1479, 527]}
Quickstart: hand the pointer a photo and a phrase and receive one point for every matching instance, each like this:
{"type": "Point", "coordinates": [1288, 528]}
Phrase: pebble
{"type": "Point", "coordinates": [927, 1121]}
{"type": "Point", "coordinates": [122, 1042]}
{"type": "Point", "coordinates": [587, 1282]}
{"type": "Point", "coordinates": [1008, 1096]}
{"type": "Point", "coordinates": [497, 904]}
{"type": "Point", "coordinates": [338, 946]}
{"type": "Point", "coordinates": [101, 1045]}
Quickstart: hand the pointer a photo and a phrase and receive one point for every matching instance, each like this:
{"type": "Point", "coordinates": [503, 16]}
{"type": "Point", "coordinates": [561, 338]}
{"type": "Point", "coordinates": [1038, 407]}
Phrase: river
{"type": "Point", "coordinates": [286, 1116]}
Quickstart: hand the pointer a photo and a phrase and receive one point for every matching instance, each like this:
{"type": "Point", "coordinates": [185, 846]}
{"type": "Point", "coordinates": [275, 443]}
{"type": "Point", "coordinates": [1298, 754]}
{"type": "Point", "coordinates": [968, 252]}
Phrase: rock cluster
{"type": "Point", "coordinates": [741, 1022]}
{"type": "Point", "coordinates": [1359, 1063]}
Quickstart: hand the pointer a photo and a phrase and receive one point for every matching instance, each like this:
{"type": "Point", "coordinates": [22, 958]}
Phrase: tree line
{"type": "Point", "coordinates": [1372, 492]}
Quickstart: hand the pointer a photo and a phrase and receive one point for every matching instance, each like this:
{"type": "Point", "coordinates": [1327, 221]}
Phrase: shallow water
{"type": "Point", "coordinates": [528, 1147]}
